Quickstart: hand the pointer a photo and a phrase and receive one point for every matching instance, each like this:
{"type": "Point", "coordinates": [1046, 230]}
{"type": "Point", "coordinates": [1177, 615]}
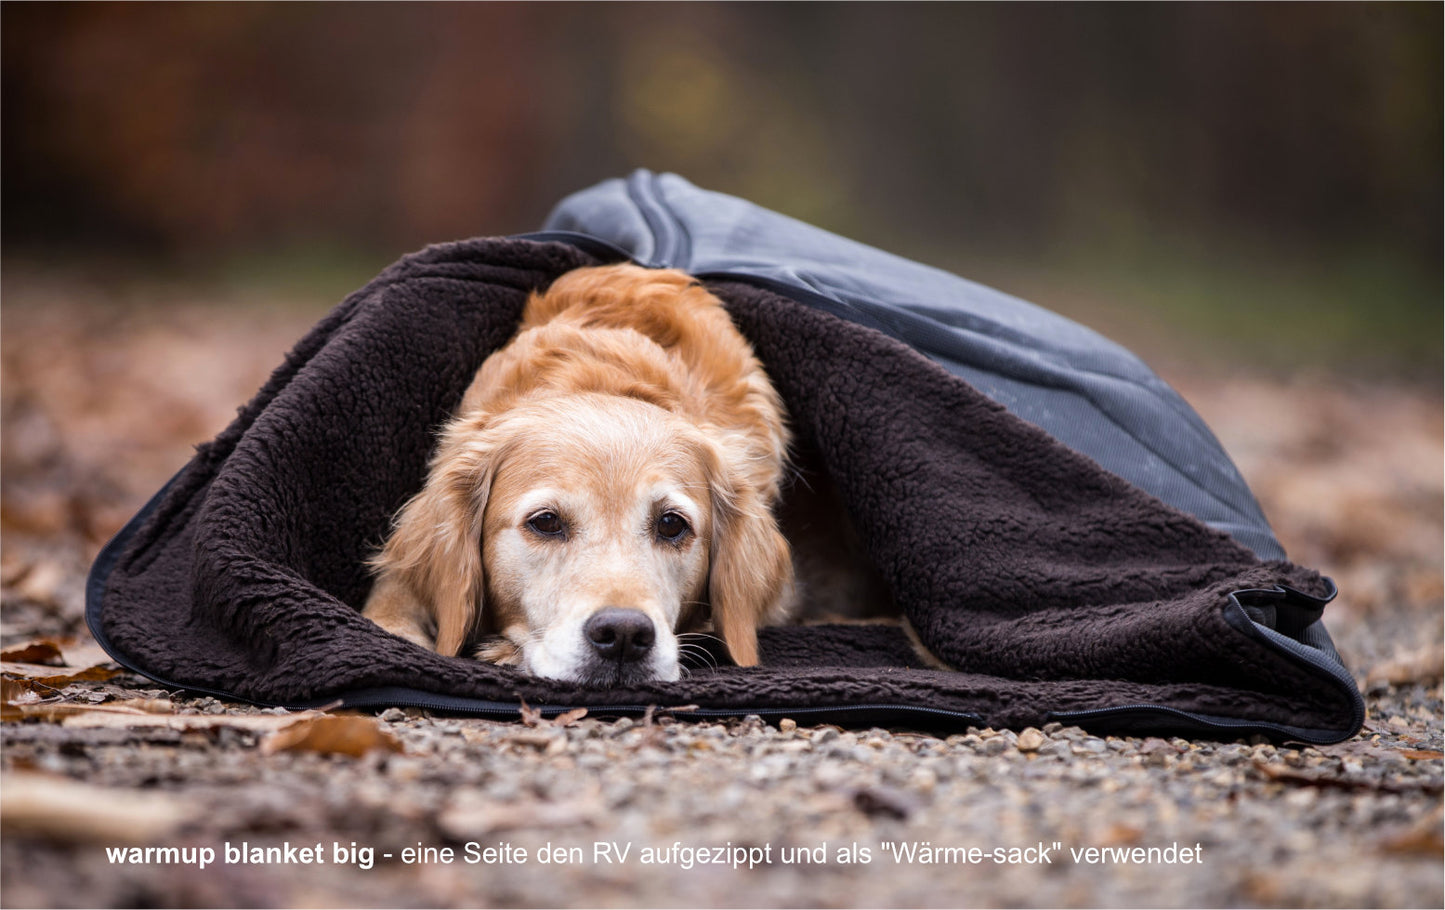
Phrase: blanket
{"type": "Point", "coordinates": [1055, 589]}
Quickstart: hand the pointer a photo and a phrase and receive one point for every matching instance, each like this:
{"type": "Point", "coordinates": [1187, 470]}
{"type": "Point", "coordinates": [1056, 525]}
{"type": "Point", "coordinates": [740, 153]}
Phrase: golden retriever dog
{"type": "Point", "coordinates": [607, 483]}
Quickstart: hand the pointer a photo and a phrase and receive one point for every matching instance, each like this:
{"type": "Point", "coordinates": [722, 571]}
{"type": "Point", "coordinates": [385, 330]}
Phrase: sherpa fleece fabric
{"type": "Point", "coordinates": [1058, 590]}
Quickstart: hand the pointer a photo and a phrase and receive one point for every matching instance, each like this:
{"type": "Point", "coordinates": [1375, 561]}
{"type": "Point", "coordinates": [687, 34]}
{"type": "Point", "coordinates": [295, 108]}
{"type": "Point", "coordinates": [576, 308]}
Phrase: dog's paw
{"type": "Point", "coordinates": [499, 650]}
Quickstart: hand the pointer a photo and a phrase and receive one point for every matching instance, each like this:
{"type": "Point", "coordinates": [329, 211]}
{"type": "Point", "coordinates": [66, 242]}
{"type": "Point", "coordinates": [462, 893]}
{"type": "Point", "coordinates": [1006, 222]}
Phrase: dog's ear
{"type": "Point", "coordinates": [435, 550]}
{"type": "Point", "coordinates": [750, 572]}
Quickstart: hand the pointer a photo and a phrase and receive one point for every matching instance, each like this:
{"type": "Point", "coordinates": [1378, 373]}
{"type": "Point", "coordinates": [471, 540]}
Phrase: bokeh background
{"type": "Point", "coordinates": [1256, 180]}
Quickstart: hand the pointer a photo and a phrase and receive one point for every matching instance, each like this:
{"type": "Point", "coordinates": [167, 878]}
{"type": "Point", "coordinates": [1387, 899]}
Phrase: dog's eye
{"type": "Point", "coordinates": [547, 524]}
{"type": "Point", "coordinates": [671, 527]}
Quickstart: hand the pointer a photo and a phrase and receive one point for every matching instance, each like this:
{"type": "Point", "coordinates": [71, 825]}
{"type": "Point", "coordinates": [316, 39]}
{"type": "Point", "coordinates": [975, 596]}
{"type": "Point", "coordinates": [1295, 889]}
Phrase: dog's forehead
{"type": "Point", "coordinates": [623, 452]}
{"type": "Point", "coordinates": [617, 435]}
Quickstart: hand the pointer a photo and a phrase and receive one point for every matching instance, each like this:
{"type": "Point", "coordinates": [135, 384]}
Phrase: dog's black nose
{"type": "Point", "coordinates": [619, 634]}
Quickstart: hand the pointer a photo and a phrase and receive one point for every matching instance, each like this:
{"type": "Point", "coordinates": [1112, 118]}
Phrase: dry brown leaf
{"type": "Point", "coordinates": [17, 692]}
{"type": "Point", "coordinates": [1291, 776]}
{"type": "Point", "coordinates": [569, 718]}
{"type": "Point", "coordinates": [1365, 750]}
{"type": "Point", "coordinates": [12, 569]}
{"type": "Point", "coordinates": [530, 716]}
{"type": "Point", "coordinates": [58, 808]}
{"type": "Point", "coordinates": [336, 734]}
{"type": "Point", "coordinates": [149, 705]}
{"type": "Point", "coordinates": [119, 716]}
{"type": "Point", "coordinates": [533, 717]}
{"type": "Point", "coordinates": [42, 583]}
{"type": "Point", "coordinates": [83, 652]}
{"type": "Point", "coordinates": [64, 711]}
{"type": "Point", "coordinates": [43, 651]}
{"type": "Point", "coordinates": [45, 675]}
{"type": "Point", "coordinates": [1425, 665]}
{"type": "Point", "coordinates": [1422, 754]}
{"type": "Point", "coordinates": [1425, 838]}
{"type": "Point", "coordinates": [1121, 835]}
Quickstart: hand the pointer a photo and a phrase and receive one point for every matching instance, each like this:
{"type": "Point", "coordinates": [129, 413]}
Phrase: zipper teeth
{"type": "Point", "coordinates": [510, 712]}
{"type": "Point", "coordinates": [1154, 709]}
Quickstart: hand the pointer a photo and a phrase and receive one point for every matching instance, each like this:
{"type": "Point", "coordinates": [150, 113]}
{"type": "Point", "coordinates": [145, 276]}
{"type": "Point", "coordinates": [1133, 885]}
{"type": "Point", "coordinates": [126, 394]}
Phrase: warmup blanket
{"type": "Point", "coordinates": [1058, 589]}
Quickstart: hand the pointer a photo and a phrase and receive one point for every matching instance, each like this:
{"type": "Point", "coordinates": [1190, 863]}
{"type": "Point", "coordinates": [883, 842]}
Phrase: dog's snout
{"type": "Point", "coordinates": [620, 634]}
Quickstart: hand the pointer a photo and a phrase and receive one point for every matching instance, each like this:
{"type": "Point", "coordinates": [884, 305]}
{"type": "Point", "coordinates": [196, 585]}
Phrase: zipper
{"type": "Point", "coordinates": [411, 698]}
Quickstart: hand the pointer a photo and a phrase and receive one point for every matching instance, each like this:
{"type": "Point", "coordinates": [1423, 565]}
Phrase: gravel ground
{"type": "Point", "coordinates": [1349, 473]}
{"type": "Point", "coordinates": [1350, 825]}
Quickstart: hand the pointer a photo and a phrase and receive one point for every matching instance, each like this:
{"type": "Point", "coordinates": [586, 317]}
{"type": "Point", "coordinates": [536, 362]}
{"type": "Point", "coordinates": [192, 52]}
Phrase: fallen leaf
{"type": "Point", "coordinates": [530, 716]}
{"type": "Point", "coordinates": [1121, 835]}
{"type": "Point", "coordinates": [17, 691]}
{"type": "Point", "coordinates": [540, 741]}
{"type": "Point", "coordinates": [61, 809]}
{"type": "Point", "coordinates": [1290, 775]}
{"type": "Point", "coordinates": [44, 651]}
{"type": "Point", "coordinates": [12, 569]}
{"type": "Point", "coordinates": [119, 716]}
{"type": "Point", "coordinates": [66, 710]}
{"type": "Point", "coordinates": [1424, 838]}
{"type": "Point", "coordinates": [42, 583]}
{"type": "Point", "coordinates": [335, 734]}
{"type": "Point", "coordinates": [1425, 665]}
{"type": "Point", "coordinates": [569, 718]}
{"type": "Point", "coordinates": [1363, 749]}
{"type": "Point", "coordinates": [83, 652]}
{"type": "Point", "coordinates": [1422, 754]}
{"type": "Point", "coordinates": [45, 675]}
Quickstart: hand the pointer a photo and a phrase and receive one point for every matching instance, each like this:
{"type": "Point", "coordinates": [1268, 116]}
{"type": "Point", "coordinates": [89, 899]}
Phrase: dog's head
{"type": "Point", "coordinates": [582, 533]}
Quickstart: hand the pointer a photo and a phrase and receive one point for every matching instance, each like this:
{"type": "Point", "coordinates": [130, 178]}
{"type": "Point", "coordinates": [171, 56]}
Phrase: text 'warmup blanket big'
{"type": "Point", "coordinates": [1053, 520]}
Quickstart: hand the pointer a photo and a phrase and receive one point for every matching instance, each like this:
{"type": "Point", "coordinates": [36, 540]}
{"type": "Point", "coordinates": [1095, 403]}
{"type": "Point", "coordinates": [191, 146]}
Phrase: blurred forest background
{"type": "Point", "coordinates": [1245, 182]}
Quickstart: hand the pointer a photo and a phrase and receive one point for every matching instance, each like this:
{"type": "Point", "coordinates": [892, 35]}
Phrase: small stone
{"type": "Point", "coordinates": [1030, 740]}
{"type": "Point", "coordinates": [393, 715]}
{"type": "Point", "coordinates": [922, 780]}
{"type": "Point", "coordinates": [884, 801]}
{"type": "Point", "coordinates": [824, 734]}
{"type": "Point", "coordinates": [787, 725]}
